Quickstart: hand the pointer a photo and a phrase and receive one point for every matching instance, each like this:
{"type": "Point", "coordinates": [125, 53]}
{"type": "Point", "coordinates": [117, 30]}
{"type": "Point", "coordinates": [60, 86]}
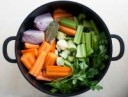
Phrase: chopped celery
{"type": "Point", "coordinates": [70, 58]}
{"type": "Point", "coordinates": [89, 49]}
{"type": "Point", "coordinates": [60, 35]}
{"type": "Point", "coordinates": [94, 40]}
{"type": "Point", "coordinates": [78, 35]}
{"type": "Point", "coordinates": [68, 22]}
{"type": "Point", "coordinates": [81, 51]}
{"type": "Point", "coordinates": [94, 27]}
{"type": "Point", "coordinates": [71, 45]}
{"type": "Point", "coordinates": [83, 37]}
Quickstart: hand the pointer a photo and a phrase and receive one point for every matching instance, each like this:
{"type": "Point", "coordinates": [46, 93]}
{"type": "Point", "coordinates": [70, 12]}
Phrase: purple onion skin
{"type": "Point", "coordinates": [42, 21]}
{"type": "Point", "coordinates": [33, 36]}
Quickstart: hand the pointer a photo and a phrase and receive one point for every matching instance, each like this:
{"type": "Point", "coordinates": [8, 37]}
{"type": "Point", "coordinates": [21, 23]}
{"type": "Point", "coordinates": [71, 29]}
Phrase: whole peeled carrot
{"type": "Point", "coordinates": [33, 51]}
{"type": "Point", "coordinates": [45, 46]}
{"type": "Point", "coordinates": [28, 60]}
{"type": "Point", "coordinates": [38, 66]}
{"type": "Point", "coordinates": [42, 76]}
{"type": "Point", "coordinates": [30, 46]}
{"type": "Point", "coordinates": [67, 30]}
{"type": "Point", "coordinates": [53, 46]}
{"type": "Point", "coordinates": [50, 59]}
{"type": "Point", "coordinates": [58, 10]}
{"type": "Point", "coordinates": [58, 71]}
{"type": "Point", "coordinates": [57, 16]}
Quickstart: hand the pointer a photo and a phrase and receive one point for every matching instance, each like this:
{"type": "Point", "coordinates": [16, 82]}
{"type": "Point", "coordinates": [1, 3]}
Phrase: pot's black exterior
{"type": "Point", "coordinates": [74, 8]}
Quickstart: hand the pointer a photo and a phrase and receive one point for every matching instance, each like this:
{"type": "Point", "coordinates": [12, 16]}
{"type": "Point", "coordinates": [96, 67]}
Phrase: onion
{"type": "Point", "coordinates": [33, 36]}
{"type": "Point", "coordinates": [42, 21]}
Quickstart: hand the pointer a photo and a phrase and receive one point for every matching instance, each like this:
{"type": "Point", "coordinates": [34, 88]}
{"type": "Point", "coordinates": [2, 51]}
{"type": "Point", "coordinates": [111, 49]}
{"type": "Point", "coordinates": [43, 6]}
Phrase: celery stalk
{"type": "Point", "coordinates": [94, 27]}
{"type": "Point", "coordinates": [69, 23]}
{"type": "Point", "coordinates": [78, 35]}
{"type": "Point", "coordinates": [94, 40]}
{"type": "Point", "coordinates": [89, 49]}
{"type": "Point", "coordinates": [81, 51]}
{"type": "Point", "coordinates": [83, 37]}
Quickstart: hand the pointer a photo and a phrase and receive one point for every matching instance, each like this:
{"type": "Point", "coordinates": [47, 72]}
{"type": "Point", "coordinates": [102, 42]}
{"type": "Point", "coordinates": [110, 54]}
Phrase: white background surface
{"type": "Point", "coordinates": [113, 12]}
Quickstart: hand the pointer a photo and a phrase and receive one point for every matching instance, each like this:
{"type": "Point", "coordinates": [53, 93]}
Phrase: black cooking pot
{"type": "Point", "coordinates": [74, 8]}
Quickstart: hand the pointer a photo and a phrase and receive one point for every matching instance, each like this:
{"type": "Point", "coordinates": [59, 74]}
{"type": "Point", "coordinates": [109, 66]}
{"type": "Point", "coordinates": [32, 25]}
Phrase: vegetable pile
{"type": "Point", "coordinates": [66, 51]}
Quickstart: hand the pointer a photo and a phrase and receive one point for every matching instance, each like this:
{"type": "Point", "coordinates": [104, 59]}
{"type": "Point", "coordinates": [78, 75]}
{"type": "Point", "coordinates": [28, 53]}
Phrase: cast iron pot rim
{"type": "Point", "coordinates": [109, 39]}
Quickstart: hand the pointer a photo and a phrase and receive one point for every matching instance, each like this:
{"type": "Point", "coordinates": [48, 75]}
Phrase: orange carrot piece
{"type": "Point", "coordinates": [59, 15]}
{"type": "Point", "coordinates": [58, 10]}
{"type": "Point", "coordinates": [50, 59]}
{"type": "Point", "coordinates": [67, 30]}
{"type": "Point", "coordinates": [42, 76]}
{"type": "Point", "coordinates": [38, 65]}
{"type": "Point", "coordinates": [46, 47]}
{"type": "Point", "coordinates": [28, 60]}
{"type": "Point", "coordinates": [30, 46]}
{"type": "Point", "coordinates": [53, 46]}
{"type": "Point", "coordinates": [58, 71]}
{"type": "Point", "coordinates": [33, 51]}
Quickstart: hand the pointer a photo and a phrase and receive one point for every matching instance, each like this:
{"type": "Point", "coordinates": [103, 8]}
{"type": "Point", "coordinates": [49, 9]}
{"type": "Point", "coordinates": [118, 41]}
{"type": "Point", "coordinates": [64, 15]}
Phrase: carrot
{"type": "Point", "coordinates": [67, 30]}
{"type": "Point", "coordinates": [58, 10]}
{"type": "Point", "coordinates": [50, 59]}
{"type": "Point", "coordinates": [38, 65]}
{"type": "Point", "coordinates": [33, 51]}
{"type": "Point", "coordinates": [30, 46]}
{"type": "Point", "coordinates": [58, 71]}
{"type": "Point", "coordinates": [28, 60]}
{"type": "Point", "coordinates": [42, 76]}
{"type": "Point", "coordinates": [53, 46]}
{"type": "Point", "coordinates": [46, 47]}
{"type": "Point", "coordinates": [57, 16]}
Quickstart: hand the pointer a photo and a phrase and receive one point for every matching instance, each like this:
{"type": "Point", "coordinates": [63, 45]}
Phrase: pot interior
{"type": "Point", "coordinates": [73, 8]}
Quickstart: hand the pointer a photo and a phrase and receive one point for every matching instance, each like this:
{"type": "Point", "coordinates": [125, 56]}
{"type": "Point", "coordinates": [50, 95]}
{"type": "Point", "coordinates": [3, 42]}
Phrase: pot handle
{"type": "Point", "coordinates": [122, 47]}
{"type": "Point", "coordinates": [5, 44]}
